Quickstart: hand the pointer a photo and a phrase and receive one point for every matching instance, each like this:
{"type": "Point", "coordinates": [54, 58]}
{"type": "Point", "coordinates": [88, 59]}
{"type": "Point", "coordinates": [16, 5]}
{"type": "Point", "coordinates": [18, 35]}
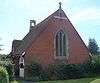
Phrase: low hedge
{"type": "Point", "coordinates": [63, 71]}
{"type": "Point", "coordinates": [35, 72]}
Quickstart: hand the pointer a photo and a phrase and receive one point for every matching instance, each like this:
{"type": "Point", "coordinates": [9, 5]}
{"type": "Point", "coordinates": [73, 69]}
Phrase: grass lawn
{"type": "Point", "coordinates": [82, 80]}
{"type": "Point", "coordinates": [14, 81]}
{"type": "Point", "coordinates": [96, 81]}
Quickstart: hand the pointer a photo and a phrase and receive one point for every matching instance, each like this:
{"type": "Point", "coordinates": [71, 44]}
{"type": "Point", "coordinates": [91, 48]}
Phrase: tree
{"type": "Point", "coordinates": [93, 47]}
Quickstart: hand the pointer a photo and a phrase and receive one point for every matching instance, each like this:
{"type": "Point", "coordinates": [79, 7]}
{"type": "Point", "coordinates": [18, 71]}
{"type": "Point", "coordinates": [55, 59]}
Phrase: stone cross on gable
{"type": "Point", "coordinates": [60, 5]}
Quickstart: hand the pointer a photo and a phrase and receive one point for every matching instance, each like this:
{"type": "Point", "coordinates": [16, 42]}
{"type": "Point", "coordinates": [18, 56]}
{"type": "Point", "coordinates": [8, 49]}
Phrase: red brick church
{"type": "Point", "coordinates": [54, 40]}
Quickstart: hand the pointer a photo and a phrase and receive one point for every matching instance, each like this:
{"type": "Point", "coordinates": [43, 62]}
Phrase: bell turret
{"type": "Point", "coordinates": [32, 24]}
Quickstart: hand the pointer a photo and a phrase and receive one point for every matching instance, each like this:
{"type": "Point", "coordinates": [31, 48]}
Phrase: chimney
{"type": "Point", "coordinates": [32, 24]}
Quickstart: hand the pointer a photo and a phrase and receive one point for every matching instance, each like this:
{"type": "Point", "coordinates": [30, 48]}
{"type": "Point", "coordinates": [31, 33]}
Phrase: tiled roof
{"type": "Point", "coordinates": [15, 45]}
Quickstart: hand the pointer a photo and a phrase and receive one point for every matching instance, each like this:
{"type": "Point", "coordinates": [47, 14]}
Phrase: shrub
{"type": "Point", "coordinates": [35, 72]}
{"type": "Point", "coordinates": [9, 70]}
{"type": "Point", "coordinates": [4, 77]}
{"type": "Point", "coordinates": [65, 71]}
{"type": "Point", "coordinates": [93, 67]}
{"type": "Point", "coordinates": [44, 75]}
{"type": "Point", "coordinates": [7, 64]}
{"type": "Point", "coordinates": [96, 64]}
{"type": "Point", "coordinates": [8, 67]}
{"type": "Point", "coordinates": [34, 69]}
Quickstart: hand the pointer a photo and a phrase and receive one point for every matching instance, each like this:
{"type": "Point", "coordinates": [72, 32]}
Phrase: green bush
{"type": "Point", "coordinates": [92, 67]}
{"type": "Point", "coordinates": [65, 71]}
{"type": "Point", "coordinates": [8, 67]}
{"type": "Point", "coordinates": [35, 72]}
{"type": "Point", "coordinates": [34, 69]}
{"type": "Point", "coordinates": [5, 62]}
{"type": "Point", "coordinates": [96, 63]}
{"type": "Point", "coordinates": [9, 70]}
{"type": "Point", "coordinates": [4, 77]}
{"type": "Point", "coordinates": [44, 75]}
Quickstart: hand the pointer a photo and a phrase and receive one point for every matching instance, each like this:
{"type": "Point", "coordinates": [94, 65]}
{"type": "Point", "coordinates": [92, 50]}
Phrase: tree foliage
{"type": "Point", "coordinates": [93, 47]}
{"type": "Point", "coordinates": [4, 77]}
{"type": "Point", "coordinates": [6, 63]}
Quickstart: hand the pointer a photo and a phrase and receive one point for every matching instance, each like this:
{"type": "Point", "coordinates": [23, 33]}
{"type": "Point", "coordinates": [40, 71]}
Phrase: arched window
{"type": "Point", "coordinates": [60, 41]}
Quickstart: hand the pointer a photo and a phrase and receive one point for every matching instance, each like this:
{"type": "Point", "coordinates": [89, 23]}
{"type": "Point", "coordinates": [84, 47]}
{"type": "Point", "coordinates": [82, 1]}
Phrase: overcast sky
{"type": "Point", "coordinates": [15, 16]}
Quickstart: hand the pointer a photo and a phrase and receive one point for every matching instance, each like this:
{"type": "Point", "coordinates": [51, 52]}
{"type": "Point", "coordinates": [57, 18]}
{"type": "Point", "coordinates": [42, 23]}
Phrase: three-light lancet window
{"type": "Point", "coordinates": [60, 42]}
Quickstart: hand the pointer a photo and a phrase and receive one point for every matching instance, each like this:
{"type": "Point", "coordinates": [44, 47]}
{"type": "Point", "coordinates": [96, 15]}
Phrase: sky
{"type": "Point", "coordinates": [15, 16]}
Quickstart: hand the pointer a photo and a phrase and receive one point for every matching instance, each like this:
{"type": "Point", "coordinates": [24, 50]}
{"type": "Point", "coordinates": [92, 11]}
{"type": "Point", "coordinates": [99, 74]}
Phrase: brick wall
{"type": "Point", "coordinates": [42, 49]}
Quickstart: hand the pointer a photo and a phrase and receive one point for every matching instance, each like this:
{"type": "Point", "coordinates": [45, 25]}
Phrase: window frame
{"type": "Point", "coordinates": [66, 50]}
